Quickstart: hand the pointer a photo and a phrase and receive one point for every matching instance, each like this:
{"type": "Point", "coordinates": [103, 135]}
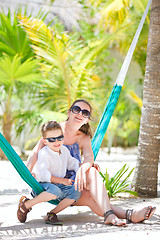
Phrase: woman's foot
{"type": "Point", "coordinates": [110, 218]}
{"type": "Point", "coordinates": [136, 216]}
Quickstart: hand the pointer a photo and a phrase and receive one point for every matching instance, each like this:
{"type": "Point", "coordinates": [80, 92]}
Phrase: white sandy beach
{"type": "Point", "coordinates": [79, 222]}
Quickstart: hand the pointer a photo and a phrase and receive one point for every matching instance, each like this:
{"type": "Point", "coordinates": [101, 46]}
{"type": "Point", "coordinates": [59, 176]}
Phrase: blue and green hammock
{"type": "Point", "coordinates": [102, 126]}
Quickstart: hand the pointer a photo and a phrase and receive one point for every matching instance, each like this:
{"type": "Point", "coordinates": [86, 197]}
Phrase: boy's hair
{"type": "Point", "coordinates": [48, 126]}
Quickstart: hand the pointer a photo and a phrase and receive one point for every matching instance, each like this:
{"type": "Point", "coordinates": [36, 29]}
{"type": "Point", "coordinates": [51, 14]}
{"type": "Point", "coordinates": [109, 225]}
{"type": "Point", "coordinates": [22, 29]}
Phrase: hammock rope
{"type": "Point", "coordinates": [101, 128]}
{"type": "Point", "coordinates": [112, 101]}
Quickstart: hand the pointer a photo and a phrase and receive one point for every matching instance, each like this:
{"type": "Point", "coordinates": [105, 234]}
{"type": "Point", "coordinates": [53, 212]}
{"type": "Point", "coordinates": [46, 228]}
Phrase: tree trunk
{"type": "Point", "coordinates": [146, 174]}
{"type": "Point", "coordinates": [7, 125]}
{"type": "Point", "coordinates": [6, 128]}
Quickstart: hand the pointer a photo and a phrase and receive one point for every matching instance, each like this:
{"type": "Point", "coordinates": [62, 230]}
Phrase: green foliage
{"type": "Point", "coordinates": [67, 62]}
{"type": "Point", "coordinates": [115, 14]}
{"type": "Point", "coordinates": [13, 39]}
{"type": "Point", "coordinates": [115, 184]}
{"type": "Point", "coordinates": [35, 119]}
{"type": "Point", "coordinates": [14, 74]}
{"type": "Point", "coordinates": [26, 72]}
{"type": "Point", "coordinates": [75, 64]}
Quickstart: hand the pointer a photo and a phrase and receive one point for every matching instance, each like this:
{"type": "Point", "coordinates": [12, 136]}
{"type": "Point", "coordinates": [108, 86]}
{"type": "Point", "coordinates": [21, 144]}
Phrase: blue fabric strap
{"type": "Point", "coordinates": [105, 119]}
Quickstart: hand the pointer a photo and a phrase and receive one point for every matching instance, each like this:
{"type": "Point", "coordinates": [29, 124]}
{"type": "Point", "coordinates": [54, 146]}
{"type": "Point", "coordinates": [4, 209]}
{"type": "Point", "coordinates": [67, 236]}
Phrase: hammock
{"type": "Point", "coordinates": [102, 126]}
{"type": "Point", "coordinates": [112, 101]}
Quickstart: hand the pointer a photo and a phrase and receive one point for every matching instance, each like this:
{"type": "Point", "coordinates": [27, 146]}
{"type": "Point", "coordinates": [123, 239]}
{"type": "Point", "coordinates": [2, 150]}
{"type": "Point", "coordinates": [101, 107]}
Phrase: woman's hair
{"type": "Point", "coordinates": [85, 128]}
{"type": "Point", "coordinates": [48, 126]}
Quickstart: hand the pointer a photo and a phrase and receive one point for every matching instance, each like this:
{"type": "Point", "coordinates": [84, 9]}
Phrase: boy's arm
{"type": "Point", "coordinates": [41, 169]}
{"type": "Point", "coordinates": [32, 159]}
{"type": "Point", "coordinates": [64, 181]}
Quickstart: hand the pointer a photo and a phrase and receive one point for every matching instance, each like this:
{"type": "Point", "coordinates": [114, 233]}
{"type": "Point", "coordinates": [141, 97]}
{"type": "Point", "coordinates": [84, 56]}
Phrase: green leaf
{"type": "Point", "coordinates": [115, 184]}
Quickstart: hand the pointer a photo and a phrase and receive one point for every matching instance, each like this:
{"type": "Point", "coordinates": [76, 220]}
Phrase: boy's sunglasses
{"type": "Point", "coordinates": [53, 139]}
{"type": "Point", "coordinates": [77, 109]}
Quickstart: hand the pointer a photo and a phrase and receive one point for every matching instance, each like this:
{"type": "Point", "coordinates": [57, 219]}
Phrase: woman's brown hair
{"type": "Point", "coordinates": [86, 129]}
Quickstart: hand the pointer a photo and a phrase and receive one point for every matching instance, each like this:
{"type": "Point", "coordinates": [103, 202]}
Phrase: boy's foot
{"type": "Point", "coordinates": [22, 210]}
{"type": "Point", "coordinates": [51, 218]}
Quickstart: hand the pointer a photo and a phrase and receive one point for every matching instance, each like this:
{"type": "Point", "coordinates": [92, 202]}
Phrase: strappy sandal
{"type": "Point", "coordinates": [149, 213]}
{"type": "Point", "coordinates": [22, 210]}
{"type": "Point", "coordinates": [51, 218]}
{"type": "Point", "coordinates": [106, 215]}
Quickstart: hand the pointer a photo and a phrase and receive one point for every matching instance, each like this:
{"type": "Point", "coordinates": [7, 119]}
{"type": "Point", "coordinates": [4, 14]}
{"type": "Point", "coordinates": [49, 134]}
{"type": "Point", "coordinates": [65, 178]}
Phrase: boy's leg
{"type": "Point", "coordinates": [51, 192]}
{"type": "Point", "coordinates": [42, 197]}
{"type": "Point", "coordinates": [25, 204]}
{"type": "Point", "coordinates": [62, 205]}
{"type": "Point", "coordinates": [69, 196]}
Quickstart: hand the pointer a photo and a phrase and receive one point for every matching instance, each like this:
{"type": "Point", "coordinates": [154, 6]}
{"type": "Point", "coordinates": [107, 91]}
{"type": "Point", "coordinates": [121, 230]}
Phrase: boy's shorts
{"type": "Point", "coordinates": [61, 191]}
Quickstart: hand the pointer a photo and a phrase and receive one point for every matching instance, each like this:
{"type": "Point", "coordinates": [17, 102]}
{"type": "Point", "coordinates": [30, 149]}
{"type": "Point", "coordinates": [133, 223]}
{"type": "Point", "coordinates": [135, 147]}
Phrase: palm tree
{"type": "Point", "coordinates": [117, 13]}
{"type": "Point", "coordinates": [149, 142]}
{"type": "Point", "coordinates": [14, 74]}
{"type": "Point", "coordinates": [13, 39]}
{"type": "Point", "coordinates": [68, 63]}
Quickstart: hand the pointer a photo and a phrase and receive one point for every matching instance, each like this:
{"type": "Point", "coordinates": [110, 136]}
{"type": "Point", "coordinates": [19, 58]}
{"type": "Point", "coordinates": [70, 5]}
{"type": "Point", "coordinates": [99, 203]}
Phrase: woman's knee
{"type": "Point", "coordinates": [92, 174]}
{"type": "Point", "coordinates": [85, 199]}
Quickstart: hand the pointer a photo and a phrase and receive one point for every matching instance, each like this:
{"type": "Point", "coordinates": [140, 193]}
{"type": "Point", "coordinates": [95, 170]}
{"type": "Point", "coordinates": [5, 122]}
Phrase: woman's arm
{"type": "Point", "coordinates": [32, 159]}
{"type": "Point", "coordinates": [86, 147]}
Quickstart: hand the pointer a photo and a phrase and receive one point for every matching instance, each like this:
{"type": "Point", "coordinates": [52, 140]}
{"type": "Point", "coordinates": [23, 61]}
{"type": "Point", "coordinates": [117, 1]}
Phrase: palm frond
{"type": "Point", "coordinates": [12, 71]}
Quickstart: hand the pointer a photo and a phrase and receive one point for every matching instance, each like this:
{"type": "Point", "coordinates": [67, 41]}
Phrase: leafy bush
{"type": "Point", "coordinates": [115, 184]}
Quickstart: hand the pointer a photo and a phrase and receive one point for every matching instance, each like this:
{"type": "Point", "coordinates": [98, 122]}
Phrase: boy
{"type": "Point", "coordinates": [50, 169]}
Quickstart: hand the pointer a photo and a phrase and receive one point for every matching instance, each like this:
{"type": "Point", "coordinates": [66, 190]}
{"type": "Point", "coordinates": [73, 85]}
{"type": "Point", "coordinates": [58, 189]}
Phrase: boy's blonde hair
{"type": "Point", "coordinates": [48, 126]}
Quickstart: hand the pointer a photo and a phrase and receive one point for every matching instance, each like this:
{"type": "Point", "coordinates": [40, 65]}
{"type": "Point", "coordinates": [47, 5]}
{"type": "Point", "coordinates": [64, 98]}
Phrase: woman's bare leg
{"type": "Point", "coordinates": [99, 194]}
{"type": "Point", "coordinates": [137, 215]}
{"type": "Point", "coordinates": [87, 200]}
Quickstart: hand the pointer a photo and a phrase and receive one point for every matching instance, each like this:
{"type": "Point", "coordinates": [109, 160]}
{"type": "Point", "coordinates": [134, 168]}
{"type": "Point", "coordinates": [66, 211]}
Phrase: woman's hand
{"type": "Point", "coordinates": [80, 180]}
{"type": "Point", "coordinates": [96, 166]}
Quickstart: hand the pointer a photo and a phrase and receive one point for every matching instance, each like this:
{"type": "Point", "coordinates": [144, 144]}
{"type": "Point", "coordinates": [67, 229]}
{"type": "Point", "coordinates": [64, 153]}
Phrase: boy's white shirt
{"type": "Point", "coordinates": [52, 163]}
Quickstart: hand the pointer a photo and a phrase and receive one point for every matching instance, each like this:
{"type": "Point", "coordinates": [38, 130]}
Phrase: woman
{"type": "Point", "coordinates": [77, 136]}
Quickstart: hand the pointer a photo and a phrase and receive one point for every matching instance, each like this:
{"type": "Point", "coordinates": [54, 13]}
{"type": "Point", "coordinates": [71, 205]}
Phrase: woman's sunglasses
{"type": "Point", "coordinates": [77, 109]}
{"type": "Point", "coordinates": [53, 139]}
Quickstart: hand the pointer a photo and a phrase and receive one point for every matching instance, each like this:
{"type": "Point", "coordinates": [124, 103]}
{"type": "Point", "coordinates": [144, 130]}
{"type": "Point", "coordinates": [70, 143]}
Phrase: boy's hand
{"type": "Point", "coordinates": [34, 175]}
{"type": "Point", "coordinates": [66, 181]}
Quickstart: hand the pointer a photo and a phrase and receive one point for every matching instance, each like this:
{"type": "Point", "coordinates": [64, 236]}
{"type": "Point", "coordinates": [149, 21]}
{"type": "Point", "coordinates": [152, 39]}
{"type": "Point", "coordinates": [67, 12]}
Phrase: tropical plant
{"type": "Point", "coordinates": [19, 70]}
{"type": "Point", "coordinates": [66, 61]}
{"type": "Point", "coordinates": [116, 13]}
{"type": "Point", "coordinates": [13, 74]}
{"type": "Point", "coordinates": [115, 184]}
{"type": "Point", "coordinates": [13, 39]}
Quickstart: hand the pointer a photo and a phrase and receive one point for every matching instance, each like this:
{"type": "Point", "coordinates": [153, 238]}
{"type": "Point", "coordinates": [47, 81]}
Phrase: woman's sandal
{"type": "Point", "coordinates": [22, 210]}
{"type": "Point", "coordinates": [148, 214]}
{"type": "Point", "coordinates": [51, 218]}
{"type": "Point", "coordinates": [121, 222]}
